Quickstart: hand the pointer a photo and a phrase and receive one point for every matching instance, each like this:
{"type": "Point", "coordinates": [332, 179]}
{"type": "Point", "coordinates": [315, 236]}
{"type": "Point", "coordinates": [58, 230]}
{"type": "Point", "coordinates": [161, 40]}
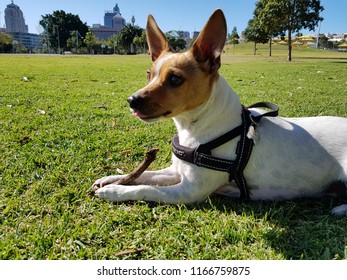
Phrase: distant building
{"type": "Point", "coordinates": [15, 26]}
{"type": "Point", "coordinates": [114, 19]}
{"type": "Point", "coordinates": [14, 19]}
{"type": "Point", "coordinates": [31, 41]}
{"type": "Point", "coordinates": [195, 34]}
{"type": "Point", "coordinates": [113, 23]}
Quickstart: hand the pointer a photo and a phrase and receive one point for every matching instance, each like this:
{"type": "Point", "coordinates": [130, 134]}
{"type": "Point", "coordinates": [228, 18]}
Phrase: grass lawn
{"type": "Point", "coordinates": [69, 124]}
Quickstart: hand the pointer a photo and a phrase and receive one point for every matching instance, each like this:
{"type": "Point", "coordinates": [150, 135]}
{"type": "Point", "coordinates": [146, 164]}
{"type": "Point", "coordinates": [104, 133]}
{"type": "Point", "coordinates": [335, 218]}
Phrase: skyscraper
{"type": "Point", "coordinates": [113, 23]}
{"type": "Point", "coordinates": [114, 19]}
{"type": "Point", "coordinates": [16, 27]}
{"type": "Point", "coordinates": [14, 19]}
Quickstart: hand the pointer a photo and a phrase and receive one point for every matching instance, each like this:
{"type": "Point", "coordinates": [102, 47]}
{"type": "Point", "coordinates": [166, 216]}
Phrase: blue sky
{"type": "Point", "coordinates": [170, 14]}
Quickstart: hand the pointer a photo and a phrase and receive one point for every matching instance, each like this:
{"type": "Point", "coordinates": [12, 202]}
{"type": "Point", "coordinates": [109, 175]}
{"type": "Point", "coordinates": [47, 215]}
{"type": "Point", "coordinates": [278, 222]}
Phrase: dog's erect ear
{"type": "Point", "coordinates": [208, 47]}
{"type": "Point", "coordinates": [156, 39]}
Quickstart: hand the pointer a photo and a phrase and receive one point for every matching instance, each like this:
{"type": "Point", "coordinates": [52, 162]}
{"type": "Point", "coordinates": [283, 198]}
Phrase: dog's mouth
{"type": "Point", "coordinates": [148, 118]}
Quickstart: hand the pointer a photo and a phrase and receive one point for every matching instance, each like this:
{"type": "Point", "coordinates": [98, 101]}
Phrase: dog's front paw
{"type": "Point", "coordinates": [111, 192]}
{"type": "Point", "coordinates": [100, 183]}
{"type": "Point", "coordinates": [340, 210]}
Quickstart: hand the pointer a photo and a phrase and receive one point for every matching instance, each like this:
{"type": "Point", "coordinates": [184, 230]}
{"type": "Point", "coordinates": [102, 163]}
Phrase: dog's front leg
{"type": "Point", "coordinates": [192, 187]}
{"type": "Point", "coordinates": [183, 192]}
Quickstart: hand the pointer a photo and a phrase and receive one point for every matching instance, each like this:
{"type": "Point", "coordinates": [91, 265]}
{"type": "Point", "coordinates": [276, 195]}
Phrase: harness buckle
{"type": "Point", "coordinates": [251, 117]}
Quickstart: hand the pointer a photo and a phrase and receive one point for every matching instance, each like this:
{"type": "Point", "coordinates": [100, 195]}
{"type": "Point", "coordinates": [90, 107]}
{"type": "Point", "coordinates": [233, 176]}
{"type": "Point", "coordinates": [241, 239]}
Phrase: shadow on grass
{"type": "Point", "coordinates": [333, 59]}
{"type": "Point", "coordinates": [300, 229]}
{"type": "Point", "coordinates": [296, 229]}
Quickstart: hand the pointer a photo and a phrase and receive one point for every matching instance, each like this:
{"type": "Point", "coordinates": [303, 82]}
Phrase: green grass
{"type": "Point", "coordinates": [49, 161]}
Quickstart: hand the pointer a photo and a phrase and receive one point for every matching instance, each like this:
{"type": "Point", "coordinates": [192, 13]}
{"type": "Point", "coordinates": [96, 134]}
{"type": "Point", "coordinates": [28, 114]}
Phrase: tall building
{"type": "Point", "coordinates": [114, 19]}
{"type": "Point", "coordinates": [113, 23]}
{"type": "Point", "coordinates": [16, 27]}
{"type": "Point", "coordinates": [14, 19]}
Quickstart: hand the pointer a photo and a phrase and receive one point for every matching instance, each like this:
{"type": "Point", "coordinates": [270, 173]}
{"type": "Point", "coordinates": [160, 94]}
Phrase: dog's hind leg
{"type": "Point", "coordinates": [340, 189]}
{"type": "Point", "coordinates": [340, 210]}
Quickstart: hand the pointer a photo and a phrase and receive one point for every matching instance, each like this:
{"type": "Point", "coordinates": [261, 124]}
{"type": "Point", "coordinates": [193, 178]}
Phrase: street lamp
{"type": "Point", "coordinates": [77, 34]}
{"type": "Point", "coordinates": [56, 26]}
{"type": "Point", "coordinates": [14, 44]}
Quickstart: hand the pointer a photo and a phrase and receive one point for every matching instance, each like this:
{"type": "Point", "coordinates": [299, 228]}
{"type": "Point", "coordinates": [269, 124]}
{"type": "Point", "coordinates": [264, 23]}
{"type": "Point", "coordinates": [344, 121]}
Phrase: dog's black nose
{"type": "Point", "coordinates": [135, 101]}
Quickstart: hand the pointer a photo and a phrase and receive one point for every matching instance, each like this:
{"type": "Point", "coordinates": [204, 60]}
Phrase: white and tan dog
{"type": "Point", "coordinates": [297, 157]}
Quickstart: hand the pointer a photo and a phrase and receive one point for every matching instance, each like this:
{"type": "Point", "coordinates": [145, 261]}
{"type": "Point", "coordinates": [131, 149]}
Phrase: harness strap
{"type": "Point", "coordinates": [243, 151]}
{"type": "Point", "coordinates": [273, 113]}
{"type": "Point", "coordinates": [201, 156]}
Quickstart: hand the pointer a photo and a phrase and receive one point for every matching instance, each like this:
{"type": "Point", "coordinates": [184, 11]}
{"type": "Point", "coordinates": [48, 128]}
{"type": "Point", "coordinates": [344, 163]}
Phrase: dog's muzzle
{"type": "Point", "coordinates": [135, 102]}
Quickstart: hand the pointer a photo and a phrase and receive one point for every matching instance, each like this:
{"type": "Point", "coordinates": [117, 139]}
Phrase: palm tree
{"type": "Point", "coordinates": [126, 37]}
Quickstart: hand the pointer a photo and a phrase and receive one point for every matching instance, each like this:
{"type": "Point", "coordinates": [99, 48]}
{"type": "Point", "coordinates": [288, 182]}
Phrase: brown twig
{"type": "Point", "coordinates": [129, 252]}
{"type": "Point", "coordinates": [133, 175]}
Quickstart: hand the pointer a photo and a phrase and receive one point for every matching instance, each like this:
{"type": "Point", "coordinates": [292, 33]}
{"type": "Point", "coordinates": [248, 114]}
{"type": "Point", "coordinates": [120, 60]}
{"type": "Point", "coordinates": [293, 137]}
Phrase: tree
{"type": "Point", "coordinates": [254, 33]}
{"type": "Point", "coordinates": [175, 41]}
{"type": "Point", "coordinates": [113, 43]}
{"type": "Point", "coordinates": [5, 42]}
{"type": "Point", "coordinates": [291, 16]}
{"type": "Point", "coordinates": [324, 43]}
{"type": "Point", "coordinates": [58, 27]}
{"type": "Point", "coordinates": [126, 36]}
{"type": "Point", "coordinates": [234, 36]}
{"type": "Point", "coordinates": [141, 42]}
{"type": "Point", "coordinates": [258, 33]}
{"type": "Point", "coordinates": [90, 40]}
{"type": "Point", "coordinates": [74, 41]}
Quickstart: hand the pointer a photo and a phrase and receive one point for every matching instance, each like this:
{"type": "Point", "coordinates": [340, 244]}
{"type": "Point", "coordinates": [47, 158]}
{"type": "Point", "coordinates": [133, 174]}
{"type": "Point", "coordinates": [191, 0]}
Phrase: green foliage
{"type": "Point", "coordinates": [68, 124]}
{"type": "Point", "coordinates": [254, 33]}
{"type": "Point", "coordinates": [90, 40]}
{"type": "Point", "coordinates": [60, 24]}
{"type": "Point", "coordinates": [234, 36]}
{"type": "Point", "coordinates": [75, 41]}
{"type": "Point", "coordinates": [175, 42]}
{"type": "Point", "coordinates": [126, 35]}
{"type": "Point", "coordinates": [278, 16]}
{"type": "Point", "coordinates": [5, 42]}
{"type": "Point", "coordinates": [141, 43]}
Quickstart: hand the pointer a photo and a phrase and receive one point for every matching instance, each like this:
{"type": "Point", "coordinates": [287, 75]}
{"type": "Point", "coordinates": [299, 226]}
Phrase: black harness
{"type": "Point", "coordinates": [201, 156]}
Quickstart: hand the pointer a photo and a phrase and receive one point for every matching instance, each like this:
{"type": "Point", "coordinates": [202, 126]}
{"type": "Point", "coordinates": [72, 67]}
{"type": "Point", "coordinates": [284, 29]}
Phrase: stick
{"type": "Point", "coordinates": [133, 175]}
{"type": "Point", "coordinates": [130, 251]}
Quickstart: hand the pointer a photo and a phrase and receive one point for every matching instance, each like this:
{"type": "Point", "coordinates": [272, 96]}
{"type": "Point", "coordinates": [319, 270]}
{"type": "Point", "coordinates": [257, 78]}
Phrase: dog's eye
{"type": "Point", "coordinates": [175, 81]}
{"type": "Point", "coordinates": [148, 75]}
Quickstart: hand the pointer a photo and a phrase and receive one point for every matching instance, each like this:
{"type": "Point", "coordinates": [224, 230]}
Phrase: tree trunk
{"type": "Point", "coordinates": [289, 45]}
{"type": "Point", "coordinates": [270, 46]}
{"type": "Point", "coordinates": [255, 48]}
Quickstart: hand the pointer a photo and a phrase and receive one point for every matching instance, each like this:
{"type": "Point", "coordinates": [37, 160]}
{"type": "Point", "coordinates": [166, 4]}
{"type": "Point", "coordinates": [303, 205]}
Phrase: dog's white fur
{"type": "Point", "coordinates": [296, 157]}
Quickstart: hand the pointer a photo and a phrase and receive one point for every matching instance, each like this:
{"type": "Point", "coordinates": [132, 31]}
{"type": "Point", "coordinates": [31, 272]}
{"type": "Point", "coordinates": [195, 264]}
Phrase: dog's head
{"type": "Point", "coordinates": [178, 82]}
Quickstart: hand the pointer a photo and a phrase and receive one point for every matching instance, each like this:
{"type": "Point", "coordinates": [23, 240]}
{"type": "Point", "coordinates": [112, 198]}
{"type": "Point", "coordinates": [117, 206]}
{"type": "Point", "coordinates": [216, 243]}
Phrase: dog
{"type": "Point", "coordinates": [291, 157]}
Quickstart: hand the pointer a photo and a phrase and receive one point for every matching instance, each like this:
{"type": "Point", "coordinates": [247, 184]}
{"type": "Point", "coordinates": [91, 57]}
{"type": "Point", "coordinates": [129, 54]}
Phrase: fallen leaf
{"type": "Point", "coordinates": [126, 153]}
{"type": "Point", "coordinates": [101, 107]}
{"type": "Point", "coordinates": [24, 140]}
{"type": "Point", "coordinates": [120, 171]}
